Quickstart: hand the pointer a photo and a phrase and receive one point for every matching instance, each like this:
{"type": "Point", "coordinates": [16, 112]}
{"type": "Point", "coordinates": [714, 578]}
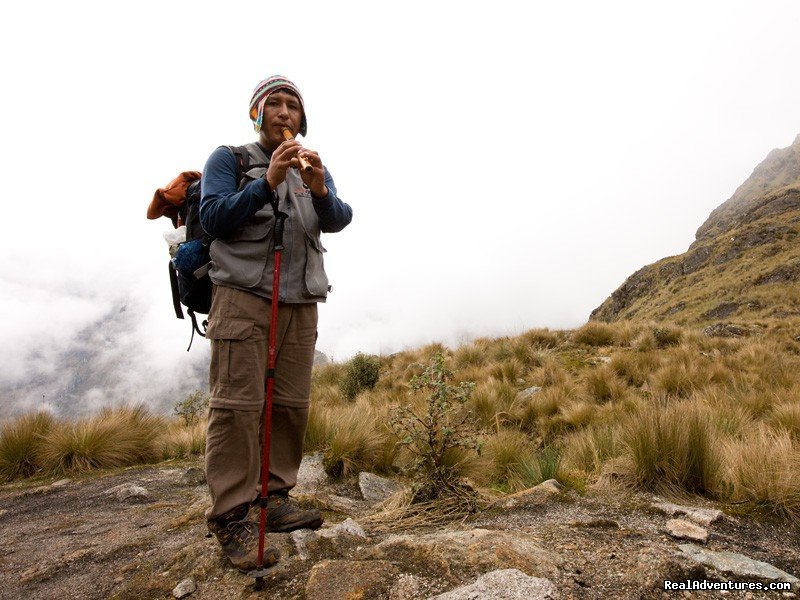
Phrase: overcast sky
{"type": "Point", "coordinates": [509, 164]}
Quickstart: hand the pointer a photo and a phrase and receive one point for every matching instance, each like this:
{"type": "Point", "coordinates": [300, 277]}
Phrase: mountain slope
{"type": "Point", "coordinates": [744, 263]}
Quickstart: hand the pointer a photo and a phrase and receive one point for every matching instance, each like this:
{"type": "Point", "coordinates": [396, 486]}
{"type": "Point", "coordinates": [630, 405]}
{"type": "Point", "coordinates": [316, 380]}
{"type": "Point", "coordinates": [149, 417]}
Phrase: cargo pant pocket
{"type": "Point", "coordinates": [233, 355]}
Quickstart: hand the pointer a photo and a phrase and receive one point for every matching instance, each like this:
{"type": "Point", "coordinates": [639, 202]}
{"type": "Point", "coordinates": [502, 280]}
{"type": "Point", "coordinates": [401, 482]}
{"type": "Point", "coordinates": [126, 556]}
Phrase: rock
{"type": "Point", "coordinates": [455, 555]}
{"type": "Point", "coordinates": [532, 496]}
{"type": "Point", "coordinates": [528, 392]}
{"type": "Point", "coordinates": [505, 584]}
{"type": "Point", "coordinates": [678, 528]}
{"type": "Point", "coordinates": [721, 311]}
{"type": "Point", "coordinates": [346, 527]}
{"type": "Point", "coordinates": [311, 475]}
{"type": "Point", "coordinates": [350, 579]}
{"type": "Point", "coordinates": [737, 565]}
{"type": "Point", "coordinates": [375, 488]}
{"type": "Point", "coordinates": [44, 489]}
{"type": "Point", "coordinates": [703, 516]}
{"type": "Point", "coordinates": [128, 492]}
{"type": "Point", "coordinates": [338, 540]}
{"type": "Point", "coordinates": [185, 588]}
{"type": "Point", "coordinates": [406, 586]}
{"type": "Point", "coordinates": [302, 540]}
{"type": "Point", "coordinates": [725, 330]}
{"type": "Point", "coordinates": [193, 476]}
{"type": "Point", "coordinates": [342, 504]}
{"type": "Point", "coordinates": [3, 512]}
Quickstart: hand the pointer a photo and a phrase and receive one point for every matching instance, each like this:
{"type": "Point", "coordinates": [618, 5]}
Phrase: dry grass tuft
{"type": "Point", "coordinates": [762, 468]}
{"type": "Point", "coordinates": [20, 444]}
{"type": "Point", "coordinates": [542, 338]}
{"type": "Point", "coordinates": [181, 441]}
{"type": "Point", "coordinates": [603, 385]}
{"type": "Point", "coordinates": [588, 450]}
{"type": "Point", "coordinates": [357, 440]}
{"type": "Point", "coordinates": [674, 447]}
{"type": "Point", "coordinates": [786, 417]}
{"type": "Point", "coordinates": [595, 333]}
{"type": "Point", "coordinates": [112, 438]}
{"type": "Point", "coordinates": [491, 403]}
{"type": "Point", "coordinates": [505, 453]}
{"type": "Point", "coordinates": [634, 367]}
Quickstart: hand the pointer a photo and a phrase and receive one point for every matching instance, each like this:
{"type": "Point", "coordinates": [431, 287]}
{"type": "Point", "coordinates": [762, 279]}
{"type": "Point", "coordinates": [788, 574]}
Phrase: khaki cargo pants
{"type": "Point", "coordinates": [238, 328]}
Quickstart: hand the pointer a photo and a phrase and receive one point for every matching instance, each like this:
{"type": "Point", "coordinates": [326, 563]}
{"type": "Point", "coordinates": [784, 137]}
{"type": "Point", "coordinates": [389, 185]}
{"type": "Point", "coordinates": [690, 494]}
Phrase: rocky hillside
{"type": "Point", "coordinates": [743, 265]}
{"type": "Point", "coordinates": [140, 533]}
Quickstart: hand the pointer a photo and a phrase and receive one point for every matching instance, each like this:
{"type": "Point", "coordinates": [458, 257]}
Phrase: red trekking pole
{"type": "Point", "coordinates": [280, 218]}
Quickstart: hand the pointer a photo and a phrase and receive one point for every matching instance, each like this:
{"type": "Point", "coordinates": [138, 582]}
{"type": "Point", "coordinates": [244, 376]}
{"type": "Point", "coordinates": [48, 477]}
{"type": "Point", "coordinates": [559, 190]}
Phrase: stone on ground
{"type": "Point", "coordinates": [375, 488]}
{"type": "Point", "coordinates": [193, 476]}
{"type": "Point", "coordinates": [534, 496]}
{"type": "Point", "coordinates": [702, 516]}
{"type": "Point", "coordinates": [684, 530]}
{"type": "Point", "coordinates": [349, 579]}
{"type": "Point", "coordinates": [505, 584]}
{"type": "Point", "coordinates": [457, 554]}
{"type": "Point", "coordinates": [128, 492]}
{"type": "Point", "coordinates": [311, 475]}
{"type": "Point", "coordinates": [738, 565]}
{"type": "Point", "coordinates": [184, 588]}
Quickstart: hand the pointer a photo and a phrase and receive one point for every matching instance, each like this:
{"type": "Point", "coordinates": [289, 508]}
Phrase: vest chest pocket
{"type": "Point", "coordinates": [233, 354]}
{"type": "Point", "coordinates": [315, 281]}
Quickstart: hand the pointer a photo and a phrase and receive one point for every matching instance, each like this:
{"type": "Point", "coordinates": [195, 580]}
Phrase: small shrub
{"type": "Point", "coordinates": [192, 408]}
{"type": "Point", "coordinates": [361, 373]}
{"type": "Point", "coordinates": [442, 427]}
{"type": "Point", "coordinates": [20, 443]}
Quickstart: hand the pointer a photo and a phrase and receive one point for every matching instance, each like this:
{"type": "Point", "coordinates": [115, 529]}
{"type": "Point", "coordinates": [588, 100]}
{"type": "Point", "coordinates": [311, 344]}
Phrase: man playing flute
{"type": "Point", "coordinates": [239, 213]}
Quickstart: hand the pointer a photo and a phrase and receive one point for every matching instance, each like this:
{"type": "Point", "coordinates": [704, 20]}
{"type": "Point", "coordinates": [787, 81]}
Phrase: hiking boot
{"type": "Point", "coordinates": [239, 540]}
{"type": "Point", "coordinates": [283, 515]}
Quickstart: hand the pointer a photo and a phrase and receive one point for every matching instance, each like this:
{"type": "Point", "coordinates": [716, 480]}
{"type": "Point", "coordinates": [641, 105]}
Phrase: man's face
{"type": "Point", "coordinates": [282, 110]}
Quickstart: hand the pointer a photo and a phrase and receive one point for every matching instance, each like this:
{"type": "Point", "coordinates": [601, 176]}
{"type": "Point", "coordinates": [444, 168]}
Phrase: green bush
{"type": "Point", "coordinates": [189, 408]}
{"type": "Point", "coordinates": [361, 373]}
{"type": "Point", "coordinates": [433, 434]}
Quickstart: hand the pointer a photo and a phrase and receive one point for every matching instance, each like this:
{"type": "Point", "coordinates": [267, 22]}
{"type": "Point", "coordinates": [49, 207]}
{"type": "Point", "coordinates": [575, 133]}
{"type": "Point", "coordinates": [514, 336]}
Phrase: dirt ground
{"type": "Point", "coordinates": [74, 539]}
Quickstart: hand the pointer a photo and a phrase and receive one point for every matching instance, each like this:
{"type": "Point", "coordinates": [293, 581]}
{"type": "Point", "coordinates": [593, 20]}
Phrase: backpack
{"type": "Point", "coordinates": [191, 260]}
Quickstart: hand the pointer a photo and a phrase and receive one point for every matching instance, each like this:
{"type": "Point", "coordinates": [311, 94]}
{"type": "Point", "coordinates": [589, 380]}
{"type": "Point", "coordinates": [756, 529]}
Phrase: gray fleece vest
{"type": "Point", "coordinates": [245, 260]}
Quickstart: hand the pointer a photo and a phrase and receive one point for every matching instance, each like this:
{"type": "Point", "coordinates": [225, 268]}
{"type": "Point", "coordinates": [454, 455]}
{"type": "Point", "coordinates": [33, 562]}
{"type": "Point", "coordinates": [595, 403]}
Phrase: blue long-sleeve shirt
{"type": "Point", "coordinates": [223, 209]}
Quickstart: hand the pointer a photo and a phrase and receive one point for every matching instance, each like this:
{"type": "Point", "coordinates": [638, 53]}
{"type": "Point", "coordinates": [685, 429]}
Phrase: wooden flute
{"type": "Point", "coordinates": [304, 164]}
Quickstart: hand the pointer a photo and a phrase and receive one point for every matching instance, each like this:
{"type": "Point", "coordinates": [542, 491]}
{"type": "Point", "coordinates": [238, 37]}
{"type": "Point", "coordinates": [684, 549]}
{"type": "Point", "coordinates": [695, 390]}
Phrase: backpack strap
{"type": "Point", "coordinates": [176, 297]}
{"type": "Point", "coordinates": [196, 328]}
